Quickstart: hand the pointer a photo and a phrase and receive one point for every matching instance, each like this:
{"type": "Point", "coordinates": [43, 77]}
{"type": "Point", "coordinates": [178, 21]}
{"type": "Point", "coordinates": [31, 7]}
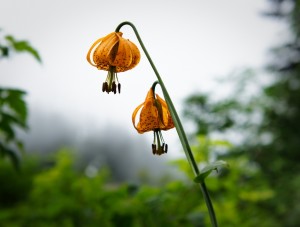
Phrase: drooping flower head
{"type": "Point", "coordinates": [114, 54]}
{"type": "Point", "coordinates": [154, 116]}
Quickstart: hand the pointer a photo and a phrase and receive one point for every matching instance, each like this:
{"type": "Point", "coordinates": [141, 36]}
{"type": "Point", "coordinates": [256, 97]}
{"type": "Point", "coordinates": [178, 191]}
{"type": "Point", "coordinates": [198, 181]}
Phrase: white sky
{"type": "Point", "coordinates": [190, 41]}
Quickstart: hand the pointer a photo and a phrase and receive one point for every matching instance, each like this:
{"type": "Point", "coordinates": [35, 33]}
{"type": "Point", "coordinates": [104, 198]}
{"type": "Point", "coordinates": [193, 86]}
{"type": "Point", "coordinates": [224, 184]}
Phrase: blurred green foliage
{"type": "Point", "coordinates": [260, 115]}
{"type": "Point", "coordinates": [63, 196]}
{"type": "Point", "coordinates": [13, 113]}
{"type": "Point", "coordinates": [13, 108]}
{"type": "Point", "coordinates": [9, 45]}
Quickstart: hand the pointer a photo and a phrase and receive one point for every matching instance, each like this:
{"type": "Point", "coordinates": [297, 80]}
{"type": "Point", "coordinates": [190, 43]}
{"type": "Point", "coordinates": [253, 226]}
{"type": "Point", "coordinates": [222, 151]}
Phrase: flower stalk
{"type": "Point", "coordinates": [178, 125]}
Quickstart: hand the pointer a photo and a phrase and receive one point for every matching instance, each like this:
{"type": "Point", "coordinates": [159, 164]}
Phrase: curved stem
{"type": "Point", "coordinates": [178, 125]}
{"type": "Point", "coordinates": [174, 114]}
{"type": "Point", "coordinates": [153, 86]}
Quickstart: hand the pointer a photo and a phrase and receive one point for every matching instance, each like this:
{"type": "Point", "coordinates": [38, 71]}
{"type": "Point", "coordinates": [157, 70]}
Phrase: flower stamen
{"type": "Point", "coordinates": [159, 146]}
{"type": "Point", "coordinates": [111, 83]}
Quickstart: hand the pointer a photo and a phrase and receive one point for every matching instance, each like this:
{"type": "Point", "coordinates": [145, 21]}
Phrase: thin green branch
{"type": "Point", "coordinates": [178, 125]}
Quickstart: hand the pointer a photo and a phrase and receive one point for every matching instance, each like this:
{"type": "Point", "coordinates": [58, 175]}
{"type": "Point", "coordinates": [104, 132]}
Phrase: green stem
{"type": "Point", "coordinates": [178, 125]}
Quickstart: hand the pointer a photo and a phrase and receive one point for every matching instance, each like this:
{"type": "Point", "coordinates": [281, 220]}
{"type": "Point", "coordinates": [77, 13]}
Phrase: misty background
{"type": "Point", "coordinates": [191, 42]}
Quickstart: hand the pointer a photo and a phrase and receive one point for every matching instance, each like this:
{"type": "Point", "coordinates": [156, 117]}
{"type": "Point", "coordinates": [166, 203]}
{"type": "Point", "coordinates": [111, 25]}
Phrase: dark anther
{"type": "Point", "coordinates": [106, 87]}
{"type": "Point", "coordinates": [153, 148]}
{"type": "Point", "coordinates": [119, 88]}
{"type": "Point", "coordinates": [103, 87]}
{"type": "Point", "coordinates": [166, 148]}
{"type": "Point", "coordinates": [114, 87]}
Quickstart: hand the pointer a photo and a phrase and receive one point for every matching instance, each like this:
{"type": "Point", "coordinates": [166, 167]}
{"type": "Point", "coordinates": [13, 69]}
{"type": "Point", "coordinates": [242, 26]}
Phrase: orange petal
{"type": "Point", "coordinates": [129, 56]}
{"type": "Point", "coordinates": [123, 56]}
{"type": "Point", "coordinates": [113, 50]}
{"type": "Point", "coordinates": [92, 48]}
{"type": "Point", "coordinates": [148, 118]}
{"type": "Point", "coordinates": [168, 121]}
{"type": "Point", "coordinates": [134, 115]}
{"type": "Point", "coordinates": [103, 52]}
{"type": "Point", "coordinates": [136, 56]}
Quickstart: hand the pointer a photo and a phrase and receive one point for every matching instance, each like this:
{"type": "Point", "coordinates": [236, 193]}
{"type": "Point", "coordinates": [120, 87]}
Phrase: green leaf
{"type": "Point", "coordinates": [13, 158]}
{"type": "Point", "coordinates": [17, 103]}
{"type": "Point", "coordinates": [23, 46]}
{"type": "Point", "coordinates": [12, 155]}
{"type": "Point", "coordinates": [11, 120]}
{"type": "Point", "coordinates": [13, 99]}
{"type": "Point", "coordinates": [4, 51]}
{"type": "Point", "coordinates": [208, 169]}
{"type": "Point", "coordinates": [6, 128]}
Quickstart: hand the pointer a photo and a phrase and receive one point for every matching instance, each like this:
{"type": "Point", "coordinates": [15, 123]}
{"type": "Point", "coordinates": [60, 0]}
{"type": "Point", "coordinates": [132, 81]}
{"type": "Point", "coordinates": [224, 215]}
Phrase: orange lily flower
{"type": "Point", "coordinates": [154, 116]}
{"type": "Point", "coordinates": [114, 54]}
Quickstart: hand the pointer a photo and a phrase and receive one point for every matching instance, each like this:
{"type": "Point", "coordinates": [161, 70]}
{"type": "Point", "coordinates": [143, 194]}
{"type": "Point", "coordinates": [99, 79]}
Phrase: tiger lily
{"type": "Point", "coordinates": [114, 54]}
{"type": "Point", "coordinates": [154, 116]}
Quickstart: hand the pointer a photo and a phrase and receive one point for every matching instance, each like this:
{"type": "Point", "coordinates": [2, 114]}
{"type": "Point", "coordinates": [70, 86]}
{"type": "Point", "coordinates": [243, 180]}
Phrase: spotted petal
{"type": "Point", "coordinates": [167, 118]}
{"type": "Point", "coordinates": [95, 45]}
{"type": "Point", "coordinates": [113, 50]}
{"type": "Point", "coordinates": [152, 117]}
